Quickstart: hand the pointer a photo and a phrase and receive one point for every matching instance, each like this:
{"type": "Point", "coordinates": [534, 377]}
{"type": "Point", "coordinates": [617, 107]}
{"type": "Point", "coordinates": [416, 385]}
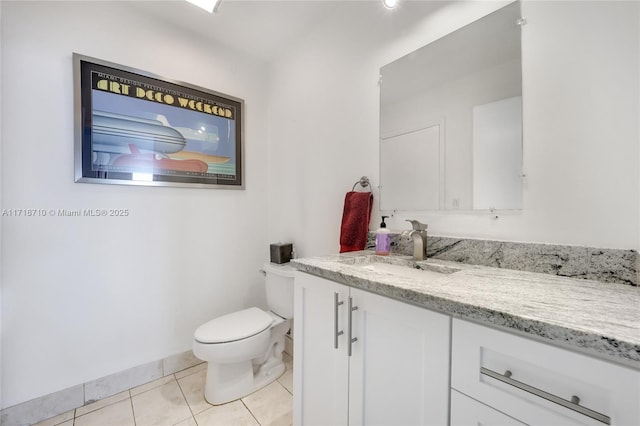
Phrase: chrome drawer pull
{"type": "Point", "coordinates": [336, 333]}
{"type": "Point", "coordinates": [350, 339]}
{"type": "Point", "coordinates": [571, 405]}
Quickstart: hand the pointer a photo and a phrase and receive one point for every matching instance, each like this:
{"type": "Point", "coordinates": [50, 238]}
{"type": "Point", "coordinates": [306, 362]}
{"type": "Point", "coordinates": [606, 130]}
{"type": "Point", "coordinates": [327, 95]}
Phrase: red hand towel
{"type": "Point", "coordinates": [355, 221]}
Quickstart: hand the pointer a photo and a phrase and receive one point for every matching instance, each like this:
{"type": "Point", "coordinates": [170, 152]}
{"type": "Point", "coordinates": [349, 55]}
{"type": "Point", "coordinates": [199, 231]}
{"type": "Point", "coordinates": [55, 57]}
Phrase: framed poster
{"type": "Point", "coordinates": [133, 127]}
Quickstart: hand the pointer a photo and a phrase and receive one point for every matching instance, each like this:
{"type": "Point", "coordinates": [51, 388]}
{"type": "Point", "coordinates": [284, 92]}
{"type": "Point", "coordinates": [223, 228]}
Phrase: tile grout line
{"type": "Point", "coordinates": [133, 410]}
{"type": "Point", "coordinates": [250, 412]}
{"type": "Point", "coordinates": [193, 416]}
{"type": "Point", "coordinates": [285, 388]}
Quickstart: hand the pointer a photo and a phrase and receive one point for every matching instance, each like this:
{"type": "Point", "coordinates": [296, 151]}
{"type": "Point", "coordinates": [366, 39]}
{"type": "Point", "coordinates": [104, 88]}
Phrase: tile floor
{"type": "Point", "coordinates": [178, 399]}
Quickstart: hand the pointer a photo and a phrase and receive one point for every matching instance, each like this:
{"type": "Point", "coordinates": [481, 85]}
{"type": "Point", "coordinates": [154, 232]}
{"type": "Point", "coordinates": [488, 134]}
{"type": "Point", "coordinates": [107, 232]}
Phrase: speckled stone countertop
{"type": "Point", "coordinates": [600, 319]}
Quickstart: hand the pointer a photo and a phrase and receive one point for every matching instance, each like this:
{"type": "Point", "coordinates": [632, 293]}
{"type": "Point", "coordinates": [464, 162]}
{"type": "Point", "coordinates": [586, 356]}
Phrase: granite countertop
{"type": "Point", "coordinates": [597, 318]}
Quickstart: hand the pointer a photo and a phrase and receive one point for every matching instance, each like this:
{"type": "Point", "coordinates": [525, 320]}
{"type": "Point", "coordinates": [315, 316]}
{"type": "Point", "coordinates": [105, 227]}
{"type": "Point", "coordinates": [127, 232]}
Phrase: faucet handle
{"type": "Point", "coordinates": [417, 226]}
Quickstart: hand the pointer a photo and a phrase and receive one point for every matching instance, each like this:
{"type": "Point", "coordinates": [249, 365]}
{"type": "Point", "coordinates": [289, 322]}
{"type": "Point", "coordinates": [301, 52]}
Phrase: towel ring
{"type": "Point", "coordinates": [364, 182]}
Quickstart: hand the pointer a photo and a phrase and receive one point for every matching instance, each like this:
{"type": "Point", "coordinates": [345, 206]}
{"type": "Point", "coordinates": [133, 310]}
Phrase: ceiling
{"type": "Point", "coordinates": [263, 28]}
{"type": "Point", "coordinates": [258, 28]}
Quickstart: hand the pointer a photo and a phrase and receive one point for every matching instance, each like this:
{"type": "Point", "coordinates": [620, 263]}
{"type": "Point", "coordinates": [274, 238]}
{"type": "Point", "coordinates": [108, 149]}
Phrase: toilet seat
{"type": "Point", "coordinates": [234, 326]}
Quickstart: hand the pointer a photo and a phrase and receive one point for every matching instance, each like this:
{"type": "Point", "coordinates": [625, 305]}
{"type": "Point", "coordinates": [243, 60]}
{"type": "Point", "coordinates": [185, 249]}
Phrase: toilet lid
{"type": "Point", "coordinates": [235, 326]}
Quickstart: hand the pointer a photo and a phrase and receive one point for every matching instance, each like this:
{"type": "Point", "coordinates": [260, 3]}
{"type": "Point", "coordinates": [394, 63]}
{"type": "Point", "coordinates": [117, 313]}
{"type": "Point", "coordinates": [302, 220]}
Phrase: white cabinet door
{"type": "Point", "coordinates": [399, 368]}
{"type": "Point", "coordinates": [321, 372]}
{"type": "Point", "coordinates": [466, 411]}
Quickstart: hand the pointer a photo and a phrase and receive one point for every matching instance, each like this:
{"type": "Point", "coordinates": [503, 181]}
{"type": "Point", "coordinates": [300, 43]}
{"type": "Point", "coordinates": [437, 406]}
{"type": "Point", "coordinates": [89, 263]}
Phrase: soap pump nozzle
{"type": "Point", "coordinates": [384, 225]}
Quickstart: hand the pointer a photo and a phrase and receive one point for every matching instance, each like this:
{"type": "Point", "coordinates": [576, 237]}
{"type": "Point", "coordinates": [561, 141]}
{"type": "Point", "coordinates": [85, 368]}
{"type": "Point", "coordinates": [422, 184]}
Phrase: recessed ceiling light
{"type": "Point", "coordinates": [390, 4]}
{"type": "Point", "coordinates": [208, 5]}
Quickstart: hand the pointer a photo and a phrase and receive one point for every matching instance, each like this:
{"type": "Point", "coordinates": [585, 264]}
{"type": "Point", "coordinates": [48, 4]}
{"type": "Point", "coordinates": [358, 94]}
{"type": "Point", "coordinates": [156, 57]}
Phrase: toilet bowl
{"type": "Point", "coordinates": [243, 349]}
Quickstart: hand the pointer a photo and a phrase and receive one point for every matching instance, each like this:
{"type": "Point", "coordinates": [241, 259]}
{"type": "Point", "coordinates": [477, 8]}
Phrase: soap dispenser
{"type": "Point", "coordinates": [383, 239]}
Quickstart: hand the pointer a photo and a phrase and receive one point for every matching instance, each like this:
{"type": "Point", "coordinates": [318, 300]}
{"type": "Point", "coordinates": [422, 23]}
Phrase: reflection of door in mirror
{"type": "Point", "coordinates": [439, 89]}
{"type": "Point", "coordinates": [409, 159]}
{"type": "Point", "coordinates": [497, 154]}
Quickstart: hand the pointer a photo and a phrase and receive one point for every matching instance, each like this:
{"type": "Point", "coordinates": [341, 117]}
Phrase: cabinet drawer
{"type": "Point", "coordinates": [466, 411]}
{"type": "Point", "coordinates": [536, 382]}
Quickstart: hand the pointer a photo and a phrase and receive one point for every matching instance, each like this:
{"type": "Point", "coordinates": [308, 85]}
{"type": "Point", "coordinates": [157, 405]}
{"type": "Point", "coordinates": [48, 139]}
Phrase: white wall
{"type": "Point", "coordinates": [323, 132]}
{"type": "Point", "coordinates": [84, 297]}
{"type": "Point", "coordinates": [580, 89]}
{"type": "Point", "coordinates": [581, 105]}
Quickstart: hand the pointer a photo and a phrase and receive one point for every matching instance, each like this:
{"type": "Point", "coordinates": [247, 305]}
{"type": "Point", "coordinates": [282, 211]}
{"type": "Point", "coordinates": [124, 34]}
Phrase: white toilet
{"type": "Point", "coordinates": [244, 349]}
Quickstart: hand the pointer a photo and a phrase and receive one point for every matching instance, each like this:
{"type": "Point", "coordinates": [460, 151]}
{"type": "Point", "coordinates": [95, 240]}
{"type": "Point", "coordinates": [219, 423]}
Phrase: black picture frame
{"type": "Point", "coordinates": [137, 128]}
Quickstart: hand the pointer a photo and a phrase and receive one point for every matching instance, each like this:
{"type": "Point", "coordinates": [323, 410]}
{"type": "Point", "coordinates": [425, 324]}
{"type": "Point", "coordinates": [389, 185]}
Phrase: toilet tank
{"type": "Point", "coordinates": [279, 286]}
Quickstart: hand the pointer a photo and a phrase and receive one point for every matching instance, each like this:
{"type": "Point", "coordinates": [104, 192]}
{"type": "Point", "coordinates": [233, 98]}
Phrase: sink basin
{"type": "Point", "coordinates": [415, 271]}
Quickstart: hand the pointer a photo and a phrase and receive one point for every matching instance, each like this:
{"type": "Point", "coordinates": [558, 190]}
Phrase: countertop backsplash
{"type": "Point", "coordinates": [605, 265]}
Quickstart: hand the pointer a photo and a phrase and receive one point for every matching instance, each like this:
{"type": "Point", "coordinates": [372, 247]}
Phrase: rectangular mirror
{"type": "Point", "coordinates": [451, 120]}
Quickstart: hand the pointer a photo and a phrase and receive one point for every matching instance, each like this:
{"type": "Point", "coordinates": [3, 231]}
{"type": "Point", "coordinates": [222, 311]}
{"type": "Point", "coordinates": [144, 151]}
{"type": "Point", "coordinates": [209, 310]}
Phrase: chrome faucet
{"type": "Point", "coordinates": [419, 237]}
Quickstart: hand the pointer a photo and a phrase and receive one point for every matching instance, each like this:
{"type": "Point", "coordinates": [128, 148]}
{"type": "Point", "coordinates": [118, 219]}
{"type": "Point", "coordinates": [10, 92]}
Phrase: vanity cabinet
{"type": "Point", "coordinates": [395, 369]}
{"type": "Point", "coordinates": [495, 373]}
